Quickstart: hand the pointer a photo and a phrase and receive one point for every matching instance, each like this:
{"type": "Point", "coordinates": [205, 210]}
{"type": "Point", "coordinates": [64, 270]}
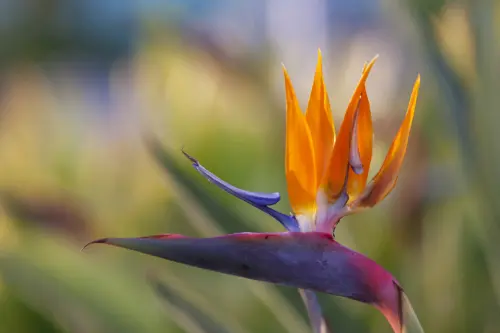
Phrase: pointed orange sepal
{"type": "Point", "coordinates": [299, 155]}
{"type": "Point", "coordinates": [320, 121]}
{"type": "Point", "coordinates": [361, 147]}
{"type": "Point", "coordinates": [339, 160]}
{"type": "Point", "coordinates": [386, 178]}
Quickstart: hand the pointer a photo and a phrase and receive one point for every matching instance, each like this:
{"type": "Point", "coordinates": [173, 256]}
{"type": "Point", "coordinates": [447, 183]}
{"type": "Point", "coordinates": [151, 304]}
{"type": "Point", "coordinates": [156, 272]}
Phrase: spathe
{"type": "Point", "coordinates": [310, 260]}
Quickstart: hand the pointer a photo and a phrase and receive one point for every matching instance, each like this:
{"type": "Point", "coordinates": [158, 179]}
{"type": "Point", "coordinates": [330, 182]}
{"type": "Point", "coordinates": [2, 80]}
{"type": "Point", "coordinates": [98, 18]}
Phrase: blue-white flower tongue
{"type": "Point", "coordinates": [259, 200]}
{"type": "Point", "coordinates": [255, 198]}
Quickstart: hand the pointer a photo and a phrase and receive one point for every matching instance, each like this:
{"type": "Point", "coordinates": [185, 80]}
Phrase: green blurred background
{"type": "Point", "coordinates": [82, 81]}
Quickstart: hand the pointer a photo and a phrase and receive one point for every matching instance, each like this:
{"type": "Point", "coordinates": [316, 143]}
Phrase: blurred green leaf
{"type": "Point", "coordinates": [78, 295]}
{"type": "Point", "coordinates": [190, 311]}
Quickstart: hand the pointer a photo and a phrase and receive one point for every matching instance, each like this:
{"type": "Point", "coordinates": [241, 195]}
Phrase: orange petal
{"type": "Point", "coordinates": [339, 160]}
{"type": "Point", "coordinates": [299, 155]}
{"type": "Point", "coordinates": [320, 122]}
{"type": "Point", "coordinates": [361, 148]}
{"type": "Point", "coordinates": [386, 178]}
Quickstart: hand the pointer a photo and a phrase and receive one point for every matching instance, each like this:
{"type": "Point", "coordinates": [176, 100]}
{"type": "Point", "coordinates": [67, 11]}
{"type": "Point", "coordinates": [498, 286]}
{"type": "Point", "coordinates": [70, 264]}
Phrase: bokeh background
{"type": "Point", "coordinates": [81, 82]}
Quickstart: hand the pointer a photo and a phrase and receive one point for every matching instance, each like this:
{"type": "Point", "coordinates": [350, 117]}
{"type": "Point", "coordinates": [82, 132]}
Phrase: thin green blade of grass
{"type": "Point", "coordinates": [191, 314]}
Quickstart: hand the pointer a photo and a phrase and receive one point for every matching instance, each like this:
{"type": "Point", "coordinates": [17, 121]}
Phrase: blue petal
{"type": "Point", "coordinates": [256, 199]}
{"type": "Point", "coordinates": [288, 221]}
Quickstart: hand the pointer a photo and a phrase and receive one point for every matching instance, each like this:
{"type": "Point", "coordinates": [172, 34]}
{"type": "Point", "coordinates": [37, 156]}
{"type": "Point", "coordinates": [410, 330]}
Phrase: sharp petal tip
{"type": "Point", "coordinates": [372, 62]}
{"type": "Point", "coordinates": [97, 241]}
{"type": "Point", "coordinates": [367, 67]}
{"type": "Point", "coordinates": [319, 66]}
{"type": "Point", "coordinates": [189, 157]}
{"type": "Point", "coordinates": [285, 73]}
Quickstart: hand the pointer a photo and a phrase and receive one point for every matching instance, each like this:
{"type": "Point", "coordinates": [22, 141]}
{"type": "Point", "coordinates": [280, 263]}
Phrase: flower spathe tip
{"type": "Point", "coordinates": [97, 241]}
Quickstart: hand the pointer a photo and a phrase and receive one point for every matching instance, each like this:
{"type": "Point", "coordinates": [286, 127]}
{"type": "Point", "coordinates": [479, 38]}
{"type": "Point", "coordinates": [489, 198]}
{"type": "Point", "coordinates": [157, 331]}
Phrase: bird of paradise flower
{"type": "Point", "coordinates": [327, 179]}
